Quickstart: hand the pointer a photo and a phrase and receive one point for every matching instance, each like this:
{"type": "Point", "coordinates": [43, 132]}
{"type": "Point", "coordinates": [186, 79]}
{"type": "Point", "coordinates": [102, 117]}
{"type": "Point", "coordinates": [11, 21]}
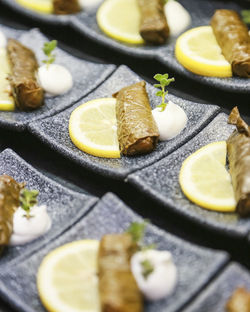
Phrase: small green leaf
{"type": "Point", "coordinates": [28, 199]}
{"type": "Point", "coordinates": [159, 93]}
{"type": "Point", "coordinates": [137, 230]}
{"type": "Point", "coordinates": [157, 85]}
{"type": "Point", "coordinates": [158, 77]}
{"type": "Point", "coordinates": [48, 48]}
{"type": "Point", "coordinates": [147, 268]}
{"type": "Point", "coordinates": [165, 76]}
{"type": "Point", "coordinates": [246, 16]}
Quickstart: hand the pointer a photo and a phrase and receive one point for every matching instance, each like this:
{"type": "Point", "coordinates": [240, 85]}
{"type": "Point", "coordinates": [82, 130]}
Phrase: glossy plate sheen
{"type": "Point", "coordinates": [160, 181]}
{"type": "Point", "coordinates": [216, 295]}
{"type": "Point", "coordinates": [86, 77]}
{"type": "Point", "coordinates": [110, 215]}
{"type": "Point", "coordinates": [64, 206]}
{"type": "Point", "coordinates": [54, 130]}
{"type": "Point", "coordinates": [201, 12]}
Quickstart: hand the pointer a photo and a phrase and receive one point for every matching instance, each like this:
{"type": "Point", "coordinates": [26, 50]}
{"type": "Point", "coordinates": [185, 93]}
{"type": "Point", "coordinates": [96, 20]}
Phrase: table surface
{"type": "Point", "coordinates": [69, 174]}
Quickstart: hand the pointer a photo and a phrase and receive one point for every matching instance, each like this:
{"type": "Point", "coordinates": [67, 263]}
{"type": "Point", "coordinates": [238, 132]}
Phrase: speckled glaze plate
{"type": "Point", "coordinates": [201, 12]}
{"type": "Point", "coordinates": [86, 75]}
{"type": "Point", "coordinates": [160, 181]}
{"type": "Point", "coordinates": [216, 295]}
{"type": "Point", "coordinates": [54, 130]}
{"type": "Point", "coordinates": [65, 207]}
{"type": "Point", "coordinates": [110, 215]}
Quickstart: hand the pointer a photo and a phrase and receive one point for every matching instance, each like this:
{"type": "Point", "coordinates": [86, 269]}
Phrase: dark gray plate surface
{"type": "Point", "coordinates": [215, 296]}
{"type": "Point", "coordinates": [86, 76]}
{"type": "Point", "coordinates": [54, 130]}
{"type": "Point", "coordinates": [160, 181]}
{"type": "Point", "coordinates": [64, 206]}
{"type": "Point", "coordinates": [110, 215]}
{"type": "Point", "coordinates": [201, 12]}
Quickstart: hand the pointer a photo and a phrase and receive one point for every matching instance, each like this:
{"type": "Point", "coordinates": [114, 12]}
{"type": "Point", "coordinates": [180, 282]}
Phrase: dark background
{"type": "Point", "coordinates": [66, 172]}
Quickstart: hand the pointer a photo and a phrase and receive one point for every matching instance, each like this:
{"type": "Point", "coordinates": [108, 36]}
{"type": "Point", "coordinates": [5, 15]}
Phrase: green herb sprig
{"type": "Point", "coordinates": [147, 268]}
{"type": "Point", "coordinates": [246, 16]}
{"type": "Point", "coordinates": [137, 231]}
{"type": "Point", "coordinates": [164, 82]}
{"type": "Point", "coordinates": [48, 48]}
{"type": "Point", "coordinates": [28, 199]}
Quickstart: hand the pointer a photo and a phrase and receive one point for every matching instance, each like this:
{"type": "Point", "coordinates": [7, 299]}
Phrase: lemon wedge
{"type": "Point", "coordinates": [67, 278]}
{"type": "Point", "coordinates": [205, 181]}
{"type": "Point", "coordinates": [7, 102]}
{"type": "Point", "coordinates": [120, 19]}
{"type": "Point", "coordinates": [42, 6]}
{"type": "Point", "coordinates": [92, 128]}
{"type": "Point", "coordinates": [198, 51]}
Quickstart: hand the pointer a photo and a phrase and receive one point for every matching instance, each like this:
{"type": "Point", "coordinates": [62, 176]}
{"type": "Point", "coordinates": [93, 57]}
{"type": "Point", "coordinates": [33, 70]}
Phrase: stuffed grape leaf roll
{"type": "Point", "coordinates": [62, 7]}
{"type": "Point", "coordinates": [154, 27]}
{"type": "Point", "coordinates": [232, 36]}
{"type": "Point", "coordinates": [238, 151]}
{"type": "Point", "coordinates": [137, 130]}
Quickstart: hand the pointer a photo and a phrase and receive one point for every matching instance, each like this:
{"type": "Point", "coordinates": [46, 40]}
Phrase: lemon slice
{"type": "Point", "coordinates": [7, 102]}
{"type": "Point", "coordinates": [42, 6]}
{"type": "Point", "coordinates": [120, 19]}
{"type": "Point", "coordinates": [92, 128]}
{"type": "Point", "coordinates": [198, 51]}
{"type": "Point", "coordinates": [205, 181]}
{"type": "Point", "coordinates": [67, 279]}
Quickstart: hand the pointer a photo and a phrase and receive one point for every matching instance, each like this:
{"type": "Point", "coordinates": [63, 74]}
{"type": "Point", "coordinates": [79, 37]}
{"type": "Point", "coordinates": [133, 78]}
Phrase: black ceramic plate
{"type": "Point", "coordinates": [86, 76]}
{"type": "Point", "coordinates": [160, 181]}
{"type": "Point", "coordinates": [201, 12]}
{"type": "Point", "coordinates": [196, 265]}
{"type": "Point", "coordinates": [65, 206]}
{"type": "Point", "coordinates": [215, 296]}
{"type": "Point", "coordinates": [54, 130]}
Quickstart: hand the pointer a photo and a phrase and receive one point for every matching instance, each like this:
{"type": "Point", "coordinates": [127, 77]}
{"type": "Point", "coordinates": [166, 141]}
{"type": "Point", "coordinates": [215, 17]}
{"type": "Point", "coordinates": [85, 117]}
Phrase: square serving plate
{"type": "Point", "coordinates": [86, 76]}
{"type": "Point", "coordinates": [201, 12]}
{"type": "Point", "coordinates": [65, 207]}
{"type": "Point", "coordinates": [196, 265]}
{"type": "Point", "coordinates": [54, 130]}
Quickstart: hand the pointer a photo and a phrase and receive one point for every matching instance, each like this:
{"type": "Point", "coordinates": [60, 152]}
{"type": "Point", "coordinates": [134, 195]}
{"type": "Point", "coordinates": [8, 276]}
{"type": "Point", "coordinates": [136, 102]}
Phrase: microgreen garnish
{"type": "Point", "coordinates": [164, 82]}
{"type": "Point", "coordinates": [137, 230]}
{"type": "Point", "coordinates": [246, 16]}
{"type": "Point", "coordinates": [28, 198]}
{"type": "Point", "coordinates": [147, 268]}
{"type": "Point", "coordinates": [48, 48]}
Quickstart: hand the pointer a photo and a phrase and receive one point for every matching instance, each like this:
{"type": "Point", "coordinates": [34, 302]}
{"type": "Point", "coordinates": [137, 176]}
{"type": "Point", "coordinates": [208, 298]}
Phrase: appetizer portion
{"type": "Point", "coordinates": [227, 43]}
{"type": "Point", "coordinates": [238, 151]}
{"type": "Point", "coordinates": [26, 90]}
{"type": "Point", "coordinates": [21, 219]}
{"type": "Point", "coordinates": [205, 180]}
{"type": "Point", "coordinates": [111, 275]}
{"type": "Point", "coordinates": [233, 38]}
{"type": "Point", "coordinates": [239, 301]}
{"type": "Point", "coordinates": [126, 124]}
{"type": "Point", "coordinates": [23, 83]}
{"type": "Point", "coordinates": [153, 27]}
{"type": "Point", "coordinates": [142, 21]}
{"type": "Point", "coordinates": [136, 128]}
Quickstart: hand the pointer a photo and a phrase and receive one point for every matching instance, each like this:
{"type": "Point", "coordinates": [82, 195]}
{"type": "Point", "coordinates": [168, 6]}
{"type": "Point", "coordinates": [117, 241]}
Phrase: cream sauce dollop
{"type": "Point", "coordinates": [26, 230]}
{"type": "Point", "coordinates": [162, 281]}
{"type": "Point", "coordinates": [177, 16]}
{"type": "Point", "coordinates": [171, 121]}
{"type": "Point", "coordinates": [55, 79]}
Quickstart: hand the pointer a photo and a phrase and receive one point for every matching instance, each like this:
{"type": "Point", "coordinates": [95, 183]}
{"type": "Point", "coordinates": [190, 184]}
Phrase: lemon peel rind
{"type": "Point", "coordinates": [203, 201]}
{"type": "Point", "coordinates": [41, 8]}
{"type": "Point", "coordinates": [199, 65]}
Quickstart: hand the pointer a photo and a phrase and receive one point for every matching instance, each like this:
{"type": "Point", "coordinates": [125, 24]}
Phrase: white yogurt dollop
{"type": "Point", "coordinates": [88, 3]}
{"type": "Point", "coordinates": [25, 230]}
{"type": "Point", "coordinates": [177, 16]}
{"type": "Point", "coordinates": [171, 121]}
{"type": "Point", "coordinates": [3, 41]}
{"type": "Point", "coordinates": [162, 281]}
{"type": "Point", "coordinates": [55, 79]}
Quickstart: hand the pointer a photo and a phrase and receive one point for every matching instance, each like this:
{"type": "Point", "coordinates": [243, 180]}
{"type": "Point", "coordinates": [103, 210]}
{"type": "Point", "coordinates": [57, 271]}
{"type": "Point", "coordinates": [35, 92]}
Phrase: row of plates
{"type": "Point", "coordinates": [155, 174]}
{"type": "Point", "coordinates": [78, 216]}
{"type": "Point", "coordinates": [201, 12]}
